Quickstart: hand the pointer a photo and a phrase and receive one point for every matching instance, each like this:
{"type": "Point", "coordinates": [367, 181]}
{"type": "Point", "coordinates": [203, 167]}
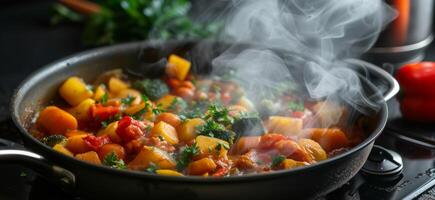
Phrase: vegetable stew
{"type": "Point", "coordinates": [185, 124]}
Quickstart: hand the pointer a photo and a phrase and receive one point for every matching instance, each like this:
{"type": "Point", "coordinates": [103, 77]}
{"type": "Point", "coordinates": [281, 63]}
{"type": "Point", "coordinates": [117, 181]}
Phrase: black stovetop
{"type": "Point", "coordinates": [28, 42]}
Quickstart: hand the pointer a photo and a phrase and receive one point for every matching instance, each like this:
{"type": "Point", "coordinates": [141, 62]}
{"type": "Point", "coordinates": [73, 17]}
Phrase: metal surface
{"type": "Point", "coordinates": [98, 181]}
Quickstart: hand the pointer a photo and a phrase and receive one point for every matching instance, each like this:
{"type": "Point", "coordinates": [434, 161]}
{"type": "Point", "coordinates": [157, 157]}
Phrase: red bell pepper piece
{"type": "Point", "coordinates": [417, 82]}
{"type": "Point", "coordinates": [95, 142]}
{"type": "Point", "coordinates": [130, 129]}
{"type": "Point", "coordinates": [101, 113]}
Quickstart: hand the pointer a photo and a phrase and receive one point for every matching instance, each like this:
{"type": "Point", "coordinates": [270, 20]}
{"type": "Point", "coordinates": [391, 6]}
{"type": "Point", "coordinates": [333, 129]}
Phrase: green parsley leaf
{"type": "Point", "coordinates": [152, 168]}
{"type": "Point", "coordinates": [128, 100]}
{"type": "Point", "coordinates": [104, 98]}
{"type": "Point", "coordinates": [113, 161]}
{"type": "Point", "coordinates": [296, 105]}
{"type": "Point", "coordinates": [219, 114]}
{"type": "Point", "coordinates": [185, 156]}
{"type": "Point", "coordinates": [277, 161]}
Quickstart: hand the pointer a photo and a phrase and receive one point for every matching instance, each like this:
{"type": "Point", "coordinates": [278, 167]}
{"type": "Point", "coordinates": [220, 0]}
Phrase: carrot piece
{"type": "Point", "coordinates": [71, 133]}
{"type": "Point", "coordinates": [76, 144]}
{"type": "Point", "coordinates": [56, 121]}
{"type": "Point", "coordinates": [247, 143]}
{"type": "Point", "coordinates": [106, 149]}
{"type": "Point", "coordinates": [169, 118]}
{"type": "Point", "coordinates": [90, 157]}
{"type": "Point", "coordinates": [329, 138]}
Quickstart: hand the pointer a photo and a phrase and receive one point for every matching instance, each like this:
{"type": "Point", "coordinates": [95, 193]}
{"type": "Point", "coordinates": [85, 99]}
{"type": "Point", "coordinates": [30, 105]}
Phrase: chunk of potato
{"type": "Point", "coordinates": [202, 166]}
{"type": "Point", "coordinates": [208, 146]}
{"type": "Point", "coordinates": [90, 157]}
{"type": "Point", "coordinates": [153, 155]}
{"type": "Point", "coordinates": [77, 145]}
{"type": "Point", "coordinates": [313, 149]}
{"type": "Point", "coordinates": [60, 148]}
{"type": "Point", "coordinates": [166, 131]}
{"type": "Point", "coordinates": [74, 91]}
{"type": "Point", "coordinates": [54, 120]}
{"type": "Point", "coordinates": [284, 125]}
{"type": "Point", "coordinates": [81, 111]}
{"type": "Point", "coordinates": [116, 85]}
{"type": "Point", "coordinates": [328, 138]}
{"type": "Point", "coordinates": [99, 92]}
{"type": "Point", "coordinates": [187, 130]}
{"type": "Point", "coordinates": [166, 101]}
{"type": "Point", "coordinates": [110, 130]}
{"type": "Point", "coordinates": [178, 67]}
{"type": "Point", "coordinates": [168, 172]}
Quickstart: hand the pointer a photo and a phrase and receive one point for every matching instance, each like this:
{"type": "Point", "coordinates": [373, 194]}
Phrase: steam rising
{"type": "Point", "coordinates": [323, 31]}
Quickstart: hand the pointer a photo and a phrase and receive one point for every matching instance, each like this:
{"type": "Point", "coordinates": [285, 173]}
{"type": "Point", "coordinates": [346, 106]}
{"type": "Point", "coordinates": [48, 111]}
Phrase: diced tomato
{"type": "Point", "coordinates": [95, 142]}
{"type": "Point", "coordinates": [172, 82]}
{"type": "Point", "coordinates": [220, 172]}
{"type": "Point", "coordinates": [268, 140]}
{"type": "Point", "coordinates": [101, 113]}
{"type": "Point", "coordinates": [130, 129]}
{"type": "Point", "coordinates": [298, 114]}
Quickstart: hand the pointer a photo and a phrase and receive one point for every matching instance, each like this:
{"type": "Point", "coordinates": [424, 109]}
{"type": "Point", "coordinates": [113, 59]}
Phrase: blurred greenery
{"type": "Point", "coordinates": [129, 20]}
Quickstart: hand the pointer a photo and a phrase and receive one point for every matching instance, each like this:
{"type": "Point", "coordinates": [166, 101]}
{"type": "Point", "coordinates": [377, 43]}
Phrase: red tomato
{"type": "Point", "coordinates": [130, 129]}
{"type": "Point", "coordinates": [95, 143]}
{"type": "Point", "coordinates": [417, 79]}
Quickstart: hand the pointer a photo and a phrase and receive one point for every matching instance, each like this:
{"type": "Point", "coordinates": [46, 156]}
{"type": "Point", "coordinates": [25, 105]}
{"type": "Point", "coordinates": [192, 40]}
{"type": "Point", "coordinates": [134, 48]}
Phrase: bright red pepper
{"type": "Point", "coordinates": [101, 113]}
{"type": "Point", "coordinates": [130, 129]}
{"type": "Point", "coordinates": [95, 142]}
{"type": "Point", "coordinates": [417, 82]}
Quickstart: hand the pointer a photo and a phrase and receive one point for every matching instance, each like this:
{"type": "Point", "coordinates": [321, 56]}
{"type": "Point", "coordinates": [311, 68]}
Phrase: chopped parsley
{"type": "Point", "coordinates": [104, 98]}
{"type": "Point", "coordinates": [151, 168]}
{"type": "Point", "coordinates": [185, 156]}
{"type": "Point", "coordinates": [105, 123]}
{"type": "Point", "coordinates": [216, 130]}
{"type": "Point", "coordinates": [276, 161]}
{"type": "Point", "coordinates": [112, 160]}
{"type": "Point", "coordinates": [127, 101]}
{"type": "Point", "coordinates": [219, 114]}
{"type": "Point", "coordinates": [158, 109]}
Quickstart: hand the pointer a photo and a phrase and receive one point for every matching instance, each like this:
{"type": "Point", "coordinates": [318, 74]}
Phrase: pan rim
{"type": "Point", "coordinates": [59, 64]}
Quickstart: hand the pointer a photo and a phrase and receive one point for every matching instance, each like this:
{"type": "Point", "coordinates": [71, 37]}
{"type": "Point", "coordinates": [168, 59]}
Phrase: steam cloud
{"type": "Point", "coordinates": [323, 31]}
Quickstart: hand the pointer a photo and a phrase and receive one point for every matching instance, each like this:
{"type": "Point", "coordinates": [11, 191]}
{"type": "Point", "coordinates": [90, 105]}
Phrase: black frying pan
{"type": "Point", "coordinates": [100, 182]}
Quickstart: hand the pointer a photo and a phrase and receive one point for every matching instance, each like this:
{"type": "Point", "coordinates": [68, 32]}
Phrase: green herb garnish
{"type": "Point", "coordinates": [185, 156]}
{"type": "Point", "coordinates": [112, 160]}
{"type": "Point", "coordinates": [152, 168]}
{"type": "Point", "coordinates": [104, 98]}
{"type": "Point", "coordinates": [296, 105]}
{"type": "Point", "coordinates": [276, 161]}
{"type": "Point", "coordinates": [219, 114]}
{"type": "Point", "coordinates": [127, 101]}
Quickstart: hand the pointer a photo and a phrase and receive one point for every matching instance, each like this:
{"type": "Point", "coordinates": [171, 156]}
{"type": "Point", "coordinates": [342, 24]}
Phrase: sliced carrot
{"type": "Point", "coordinates": [329, 138]}
{"type": "Point", "coordinates": [54, 120]}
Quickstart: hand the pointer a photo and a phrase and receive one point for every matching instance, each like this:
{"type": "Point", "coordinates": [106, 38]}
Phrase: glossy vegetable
{"type": "Point", "coordinates": [417, 83]}
{"type": "Point", "coordinates": [54, 120]}
{"type": "Point", "coordinates": [181, 124]}
{"type": "Point", "coordinates": [178, 67]}
{"type": "Point", "coordinates": [74, 91]}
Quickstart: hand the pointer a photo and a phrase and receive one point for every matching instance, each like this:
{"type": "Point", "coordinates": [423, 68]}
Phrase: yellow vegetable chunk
{"type": "Point", "coordinates": [54, 120]}
{"type": "Point", "coordinates": [153, 155]}
{"type": "Point", "coordinates": [178, 67]}
{"type": "Point", "coordinates": [187, 130]}
{"type": "Point", "coordinates": [290, 163]}
{"type": "Point", "coordinates": [76, 144]}
{"type": "Point", "coordinates": [81, 111]}
{"type": "Point", "coordinates": [130, 93]}
{"type": "Point", "coordinates": [90, 157]}
{"type": "Point", "coordinates": [284, 125]}
{"type": "Point", "coordinates": [74, 91]}
{"type": "Point", "coordinates": [60, 148]}
{"type": "Point", "coordinates": [207, 146]}
{"type": "Point", "coordinates": [166, 101]}
{"type": "Point", "coordinates": [110, 130]}
{"type": "Point", "coordinates": [116, 85]}
{"type": "Point", "coordinates": [166, 131]}
{"type": "Point", "coordinates": [201, 166]}
{"type": "Point", "coordinates": [99, 92]}
{"type": "Point", "coordinates": [168, 172]}
{"type": "Point", "coordinates": [313, 149]}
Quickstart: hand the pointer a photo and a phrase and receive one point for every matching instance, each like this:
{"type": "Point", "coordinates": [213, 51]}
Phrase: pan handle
{"type": "Point", "coordinates": [11, 154]}
{"type": "Point", "coordinates": [379, 77]}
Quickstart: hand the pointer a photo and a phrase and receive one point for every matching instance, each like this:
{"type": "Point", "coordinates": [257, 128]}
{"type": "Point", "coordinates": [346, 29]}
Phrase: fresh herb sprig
{"type": "Point", "coordinates": [185, 156]}
{"type": "Point", "coordinates": [113, 161]}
